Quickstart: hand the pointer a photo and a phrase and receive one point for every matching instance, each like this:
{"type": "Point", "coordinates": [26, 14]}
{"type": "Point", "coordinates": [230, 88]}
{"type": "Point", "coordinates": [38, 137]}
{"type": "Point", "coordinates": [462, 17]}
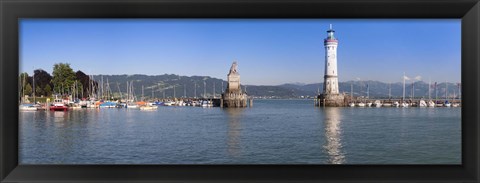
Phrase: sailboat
{"type": "Point", "coordinates": [351, 104]}
{"type": "Point", "coordinates": [430, 103]}
{"type": "Point", "coordinates": [24, 106]}
{"type": "Point", "coordinates": [368, 103]}
{"type": "Point", "coordinates": [131, 97]}
{"type": "Point", "coordinates": [388, 104]}
{"type": "Point", "coordinates": [404, 104]}
{"type": "Point", "coordinates": [423, 103]}
{"type": "Point", "coordinates": [447, 104]}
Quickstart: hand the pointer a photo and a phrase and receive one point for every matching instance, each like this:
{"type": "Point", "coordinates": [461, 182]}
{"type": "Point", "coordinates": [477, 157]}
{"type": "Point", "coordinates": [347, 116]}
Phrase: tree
{"type": "Point", "coordinates": [63, 78]}
{"type": "Point", "coordinates": [23, 80]}
{"type": "Point", "coordinates": [86, 83]}
{"type": "Point", "coordinates": [38, 91]}
{"type": "Point", "coordinates": [47, 90]}
{"type": "Point", "coordinates": [42, 78]}
{"type": "Point", "coordinates": [28, 89]}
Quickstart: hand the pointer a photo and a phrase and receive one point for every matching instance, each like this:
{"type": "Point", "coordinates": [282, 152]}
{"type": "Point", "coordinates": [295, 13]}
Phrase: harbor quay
{"type": "Point", "coordinates": [349, 101]}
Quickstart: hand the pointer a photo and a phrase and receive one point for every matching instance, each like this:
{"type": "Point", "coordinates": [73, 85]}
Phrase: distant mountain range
{"type": "Point", "coordinates": [191, 86]}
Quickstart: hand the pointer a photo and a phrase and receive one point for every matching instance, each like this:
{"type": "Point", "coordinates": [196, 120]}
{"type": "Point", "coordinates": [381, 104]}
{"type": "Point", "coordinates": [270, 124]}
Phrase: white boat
{"type": "Point", "coordinates": [27, 107]}
{"type": "Point", "coordinates": [404, 104]}
{"type": "Point", "coordinates": [369, 104]}
{"type": "Point", "coordinates": [351, 104]}
{"type": "Point", "coordinates": [431, 104]}
{"type": "Point", "coordinates": [387, 104]}
{"type": "Point", "coordinates": [180, 103]}
{"type": "Point", "coordinates": [447, 104]}
{"type": "Point", "coordinates": [169, 103]}
{"type": "Point", "coordinates": [148, 108]}
{"type": "Point", "coordinates": [377, 103]}
{"type": "Point", "coordinates": [455, 104]}
{"type": "Point", "coordinates": [206, 103]}
{"type": "Point", "coordinates": [132, 106]}
{"type": "Point", "coordinates": [423, 103]}
{"type": "Point", "coordinates": [361, 104]}
{"type": "Point", "coordinates": [396, 104]}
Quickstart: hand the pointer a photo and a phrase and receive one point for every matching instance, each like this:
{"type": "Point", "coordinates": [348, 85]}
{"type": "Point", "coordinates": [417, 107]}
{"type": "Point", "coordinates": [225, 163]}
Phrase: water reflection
{"type": "Point", "coordinates": [59, 117]}
{"type": "Point", "coordinates": [234, 130]}
{"type": "Point", "coordinates": [333, 145]}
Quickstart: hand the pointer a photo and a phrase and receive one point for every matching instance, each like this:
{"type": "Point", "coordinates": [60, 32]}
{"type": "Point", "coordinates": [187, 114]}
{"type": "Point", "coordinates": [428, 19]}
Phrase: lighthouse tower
{"type": "Point", "coordinates": [331, 96]}
{"type": "Point", "coordinates": [330, 84]}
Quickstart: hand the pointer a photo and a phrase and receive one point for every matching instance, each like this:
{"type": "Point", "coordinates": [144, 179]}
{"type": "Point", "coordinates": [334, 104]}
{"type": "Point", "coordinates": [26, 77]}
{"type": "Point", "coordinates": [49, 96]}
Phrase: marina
{"type": "Point", "coordinates": [204, 114]}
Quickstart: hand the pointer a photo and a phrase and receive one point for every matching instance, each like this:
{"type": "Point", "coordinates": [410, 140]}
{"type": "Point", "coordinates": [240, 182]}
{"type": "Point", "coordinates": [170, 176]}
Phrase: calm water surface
{"type": "Point", "coordinates": [272, 132]}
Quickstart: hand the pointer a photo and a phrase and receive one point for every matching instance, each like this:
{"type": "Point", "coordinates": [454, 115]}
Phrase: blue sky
{"type": "Point", "coordinates": [268, 52]}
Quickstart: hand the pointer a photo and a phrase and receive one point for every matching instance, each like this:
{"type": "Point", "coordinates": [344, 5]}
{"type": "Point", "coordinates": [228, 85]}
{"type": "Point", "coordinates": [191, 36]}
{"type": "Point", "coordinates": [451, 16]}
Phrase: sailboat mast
{"type": "Point", "coordinates": [351, 90]}
{"type": "Point", "coordinates": [429, 86]}
{"type": "Point", "coordinates": [368, 91]}
{"type": "Point", "coordinates": [459, 95]}
{"type": "Point", "coordinates": [413, 90]}
{"type": "Point", "coordinates": [214, 89]}
{"type": "Point", "coordinates": [33, 80]}
{"type": "Point", "coordinates": [389, 90]}
{"type": "Point", "coordinates": [184, 91]}
{"type": "Point", "coordinates": [119, 91]}
{"type": "Point", "coordinates": [403, 96]}
{"type": "Point", "coordinates": [446, 90]}
{"type": "Point", "coordinates": [195, 87]}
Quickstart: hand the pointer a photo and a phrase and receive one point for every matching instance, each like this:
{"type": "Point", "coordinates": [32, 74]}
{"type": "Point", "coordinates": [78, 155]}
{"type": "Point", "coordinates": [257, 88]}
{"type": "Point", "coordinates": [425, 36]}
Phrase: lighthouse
{"type": "Point", "coordinates": [330, 84]}
{"type": "Point", "coordinates": [331, 96]}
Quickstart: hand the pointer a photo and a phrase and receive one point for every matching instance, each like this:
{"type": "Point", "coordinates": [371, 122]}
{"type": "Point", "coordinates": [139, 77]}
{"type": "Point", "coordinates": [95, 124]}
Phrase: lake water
{"type": "Point", "coordinates": [271, 132]}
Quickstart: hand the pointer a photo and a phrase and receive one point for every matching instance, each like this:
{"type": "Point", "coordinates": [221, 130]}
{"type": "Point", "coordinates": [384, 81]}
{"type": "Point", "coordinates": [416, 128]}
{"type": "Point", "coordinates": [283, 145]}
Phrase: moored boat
{"type": "Point", "coordinates": [369, 104]}
{"type": "Point", "coordinates": [361, 104]}
{"type": "Point", "coordinates": [396, 104]}
{"type": "Point", "coordinates": [27, 107]}
{"type": "Point", "coordinates": [58, 105]}
{"type": "Point", "coordinates": [387, 104]}
{"type": "Point", "coordinates": [447, 104]}
{"type": "Point", "coordinates": [147, 107]}
{"type": "Point", "coordinates": [423, 103]}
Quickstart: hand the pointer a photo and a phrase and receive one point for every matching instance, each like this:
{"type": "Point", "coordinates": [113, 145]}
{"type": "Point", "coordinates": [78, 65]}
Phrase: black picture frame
{"type": "Point", "coordinates": [466, 10]}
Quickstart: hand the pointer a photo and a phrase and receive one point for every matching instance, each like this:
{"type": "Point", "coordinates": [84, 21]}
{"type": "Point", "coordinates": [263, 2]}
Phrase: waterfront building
{"type": "Point", "coordinates": [234, 96]}
{"type": "Point", "coordinates": [331, 96]}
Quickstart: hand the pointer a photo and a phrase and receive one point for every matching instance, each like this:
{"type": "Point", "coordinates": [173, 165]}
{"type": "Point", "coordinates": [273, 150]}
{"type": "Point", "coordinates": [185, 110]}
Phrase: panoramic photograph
{"type": "Point", "coordinates": [240, 91]}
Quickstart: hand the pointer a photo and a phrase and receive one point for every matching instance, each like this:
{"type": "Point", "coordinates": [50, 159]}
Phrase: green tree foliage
{"type": "Point", "coordinates": [38, 91]}
{"type": "Point", "coordinates": [28, 89]}
{"type": "Point", "coordinates": [47, 90]}
{"type": "Point", "coordinates": [23, 80]}
{"type": "Point", "coordinates": [63, 78]}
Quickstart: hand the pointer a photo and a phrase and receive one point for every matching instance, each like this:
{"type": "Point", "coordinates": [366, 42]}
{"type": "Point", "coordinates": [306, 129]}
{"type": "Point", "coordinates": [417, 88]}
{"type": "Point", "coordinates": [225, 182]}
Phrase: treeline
{"type": "Point", "coordinates": [63, 81]}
